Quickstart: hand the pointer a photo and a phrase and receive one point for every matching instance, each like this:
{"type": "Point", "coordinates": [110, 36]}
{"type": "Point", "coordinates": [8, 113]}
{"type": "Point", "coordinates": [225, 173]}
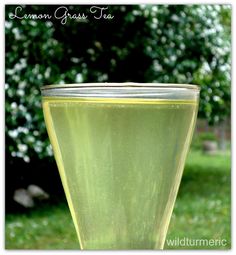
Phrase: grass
{"type": "Point", "coordinates": [203, 205]}
{"type": "Point", "coordinates": [202, 212]}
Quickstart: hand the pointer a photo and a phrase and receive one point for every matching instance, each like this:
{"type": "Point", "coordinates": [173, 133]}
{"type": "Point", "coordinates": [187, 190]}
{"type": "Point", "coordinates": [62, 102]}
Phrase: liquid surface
{"type": "Point", "coordinates": [121, 163]}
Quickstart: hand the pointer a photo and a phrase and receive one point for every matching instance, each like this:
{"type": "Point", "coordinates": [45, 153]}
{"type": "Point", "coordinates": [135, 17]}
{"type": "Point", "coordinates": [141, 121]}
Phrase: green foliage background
{"type": "Point", "coordinates": [142, 43]}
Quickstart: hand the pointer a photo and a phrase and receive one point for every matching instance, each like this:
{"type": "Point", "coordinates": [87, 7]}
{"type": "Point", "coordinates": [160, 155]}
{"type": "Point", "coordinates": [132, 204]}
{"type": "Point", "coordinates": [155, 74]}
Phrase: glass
{"type": "Point", "coordinates": [120, 151]}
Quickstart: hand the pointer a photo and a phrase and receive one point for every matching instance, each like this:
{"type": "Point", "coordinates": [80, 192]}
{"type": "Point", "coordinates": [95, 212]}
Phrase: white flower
{"type": "Point", "coordinates": [79, 78]}
{"type": "Point", "coordinates": [13, 133]}
{"type": "Point", "coordinates": [22, 147]}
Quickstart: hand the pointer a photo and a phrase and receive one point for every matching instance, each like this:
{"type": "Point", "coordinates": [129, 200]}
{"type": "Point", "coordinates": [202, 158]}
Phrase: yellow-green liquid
{"type": "Point", "coordinates": [121, 162]}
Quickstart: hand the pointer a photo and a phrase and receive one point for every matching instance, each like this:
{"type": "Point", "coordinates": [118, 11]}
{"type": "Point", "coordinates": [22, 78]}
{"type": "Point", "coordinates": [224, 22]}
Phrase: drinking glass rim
{"type": "Point", "coordinates": [120, 85]}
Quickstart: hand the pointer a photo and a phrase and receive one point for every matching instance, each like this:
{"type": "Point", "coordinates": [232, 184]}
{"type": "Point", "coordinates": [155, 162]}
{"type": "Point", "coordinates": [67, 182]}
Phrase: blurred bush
{"type": "Point", "coordinates": [142, 43]}
{"type": "Point", "coordinates": [199, 139]}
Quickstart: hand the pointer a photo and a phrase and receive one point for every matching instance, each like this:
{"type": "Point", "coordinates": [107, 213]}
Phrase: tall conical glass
{"type": "Point", "coordinates": [120, 150]}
